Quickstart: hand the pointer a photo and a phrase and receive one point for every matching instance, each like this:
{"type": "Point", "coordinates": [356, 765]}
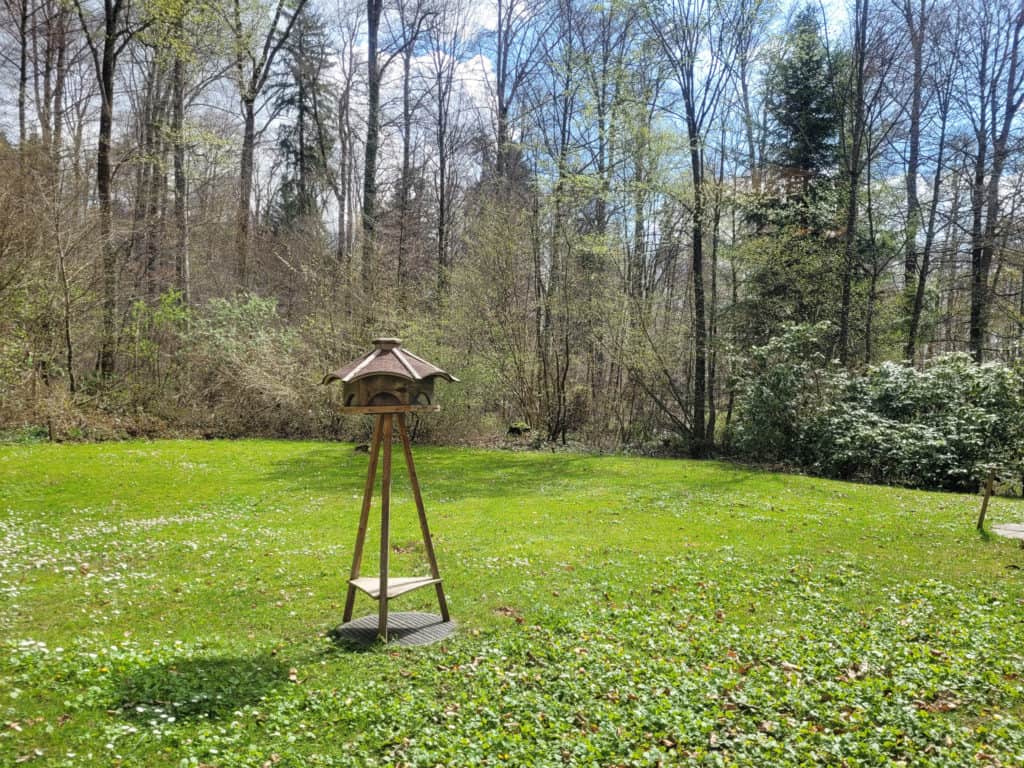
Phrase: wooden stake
{"type": "Point", "coordinates": [364, 516]}
{"type": "Point", "coordinates": [385, 533]}
{"type": "Point", "coordinates": [428, 543]}
{"type": "Point", "coordinates": [989, 480]}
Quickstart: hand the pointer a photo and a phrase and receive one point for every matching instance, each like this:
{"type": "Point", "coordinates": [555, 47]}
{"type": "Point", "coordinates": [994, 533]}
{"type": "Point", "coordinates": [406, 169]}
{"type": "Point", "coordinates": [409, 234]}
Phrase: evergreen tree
{"type": "Point", "coordinates": [802, 107]}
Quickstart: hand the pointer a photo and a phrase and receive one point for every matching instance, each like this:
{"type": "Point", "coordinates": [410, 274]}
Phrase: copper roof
{"type": "Point", "coordinates": [388, 358]}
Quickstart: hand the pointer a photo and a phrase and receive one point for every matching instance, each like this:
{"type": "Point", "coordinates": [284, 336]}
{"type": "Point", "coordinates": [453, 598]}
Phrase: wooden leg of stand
{"type": "Point", "coordinates": [385, 525]}
{"type": "Point", "coordinates": [364, 516]}
{"type": "Point", "coordinates": [428, 543]}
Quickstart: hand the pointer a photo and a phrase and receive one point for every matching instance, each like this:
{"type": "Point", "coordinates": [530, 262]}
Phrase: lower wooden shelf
{"type": "Point", "coordinates": [397, 585]}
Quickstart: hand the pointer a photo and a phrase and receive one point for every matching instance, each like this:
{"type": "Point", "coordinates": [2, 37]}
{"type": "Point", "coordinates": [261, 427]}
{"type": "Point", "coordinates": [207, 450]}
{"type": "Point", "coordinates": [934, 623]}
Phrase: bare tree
{"type": "Point", "coordinates": [923, 30]}
{"type": "Point", "coordinates": [256, 45]}
{"type": "Point", "coordinates": [449, 46]}
{"type": "Point", "coordinates": [107, 34]}
{"type": "Point", "coordinates": [853, 127]}
{"type": "Point", "coordinates": [51, 41]}
{"type": "Point", "coordinates": [752, 20]}
{"type": "Point", "coordinates": [515, 51]}
{"type": "Point", "coordinates": [991, 96]}
{"type": "Point", "coordinates": [413, 18]}
{"type": "Point", "coordinates": [698, 39]}
{"type": "Point", "coordinates": [343, 181]}
{"type": "Point", "coordinates": [20, 13]}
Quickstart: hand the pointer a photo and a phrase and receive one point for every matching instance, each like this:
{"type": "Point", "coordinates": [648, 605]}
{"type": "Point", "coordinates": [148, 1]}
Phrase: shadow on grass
{"type": "Point", "coordinates": [342, 644]}
{"type": "Point", "coordinates": [197, 688]}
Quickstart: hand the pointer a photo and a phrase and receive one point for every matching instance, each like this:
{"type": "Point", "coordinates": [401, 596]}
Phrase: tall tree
{"type": "Point", "coordinates": [449, 45]}
{"type": "Point", "coordinates": [752, 20]}
{"type": "Point", "coordinates": [377, 62]}
{"type": "Point", "coordinates": [922, 28]}
{"type": "Point", "coordinates": [521, 26]}
{"type": "Point", "coordinates": [916, 15]}
{"type": "Point", "coordinates": [107, 33]}
{"type": "Point", "coordinates": [305, 136]}
{"type": "Point", "coordinates": [256, 45]}
{"type": "Point", "coordinates": [698, 39]}
{"type": "Point", "coordinates": [991, 97]}
{"type": "Point", "coordinates": [182, 265]}
{"type": "Point", "coordinates": [800, 100]}
{"type": "Point", "coordinates": [413, 18]}
{"type": "Point", "coordinates": [344, 181]}
{"type": "Point", "coordinates": [853, 127]}
{"type": "Point", "coordinates": [51, 40]}
{"type": "Point", "coordinates": [19, 13]}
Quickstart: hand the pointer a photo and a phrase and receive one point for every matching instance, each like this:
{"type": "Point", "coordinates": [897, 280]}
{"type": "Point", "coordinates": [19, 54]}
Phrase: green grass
{"type": "Point", "coordinates": [154, 598]}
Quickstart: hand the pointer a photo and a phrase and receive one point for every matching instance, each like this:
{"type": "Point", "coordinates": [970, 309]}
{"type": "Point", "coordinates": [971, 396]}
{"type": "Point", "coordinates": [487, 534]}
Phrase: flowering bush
{"type": "Point", "coordinates": [893, 423]}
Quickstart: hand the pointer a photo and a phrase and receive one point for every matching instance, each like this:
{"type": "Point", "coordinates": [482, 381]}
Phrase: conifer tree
{"type": "Point", "coordinates": [801, 106]}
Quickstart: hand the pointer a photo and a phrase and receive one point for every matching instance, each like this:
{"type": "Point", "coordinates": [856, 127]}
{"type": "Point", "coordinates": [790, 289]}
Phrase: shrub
{"type": "Point", "coordinates": [250, 371]}
{"type": "Point", "coordinates": [932, 428]}
{"type": "Point", "coordinates": [780, 392]}
{"type": "Point", "coordinates": [929, 428]}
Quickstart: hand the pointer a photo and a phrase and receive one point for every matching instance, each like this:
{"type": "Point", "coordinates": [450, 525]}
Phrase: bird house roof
{"type": "Point", "coordinates": [388, 358]}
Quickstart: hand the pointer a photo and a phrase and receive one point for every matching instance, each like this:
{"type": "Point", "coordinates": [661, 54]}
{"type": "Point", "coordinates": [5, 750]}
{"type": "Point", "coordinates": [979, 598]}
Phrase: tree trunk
{"type": "Point", "coordinates": [849, 254]}
{"type": "Point", "coordinates": [853, 170]}
{"type": "Point", "coordinates": [716, 222]}
{"type": "Point", "coordinates": [929, 238]}
{"type": "Point", "coordinates": [373, 13]}
{"type": "Point", "coordinates": [870, 318]}
{"type": "Point", "coordinates": [156, 155]}
{"type": "Point", "coordinates": [56, 110]}
{"type": "Point", "coordinates": [989, 483]}
{"type": "Point", "coordinates": [987, 198]}
{"type": "Point", "coordinates": [405, 182]}
{"type": "Point", "coordinates": [182, 268]}
{"type": "Point", "coordinates": [108, 333]}
{"type": "Point", "coordinates": [916, 35]}
{"type": "Point", "coordinates": [245, 194]}
{"type": "Point", "coordinates": [444, 106]}
{"type": "Point", "coordinates": [748, 131]}
{"type": "Point", "coordinates": [502, 79]}
{"type": "Point", "coordinates": [698, 447]}
{"type": "Point", "coordinates": [69, 350]}
{"type": "Point", "coordinates": [341, 185]}
{"type": "Point", "coordinates": [23, 16]}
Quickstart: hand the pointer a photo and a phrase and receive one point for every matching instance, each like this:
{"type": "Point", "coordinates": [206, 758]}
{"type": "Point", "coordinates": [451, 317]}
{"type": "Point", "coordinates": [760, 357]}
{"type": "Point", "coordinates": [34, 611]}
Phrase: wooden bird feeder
{"type": "Point", "coordinates": [389, 382]}
{"type": "Point", "coordinates": [388, 375]}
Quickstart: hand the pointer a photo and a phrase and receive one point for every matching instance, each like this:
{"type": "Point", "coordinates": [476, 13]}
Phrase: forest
{"type": "Point", "coordinates": [788, 233]}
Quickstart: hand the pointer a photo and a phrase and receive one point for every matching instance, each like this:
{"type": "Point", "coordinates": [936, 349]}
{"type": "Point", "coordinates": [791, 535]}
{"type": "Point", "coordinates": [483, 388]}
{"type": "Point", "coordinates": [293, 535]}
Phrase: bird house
{"type": "Point", "coordinates": [388, 375]}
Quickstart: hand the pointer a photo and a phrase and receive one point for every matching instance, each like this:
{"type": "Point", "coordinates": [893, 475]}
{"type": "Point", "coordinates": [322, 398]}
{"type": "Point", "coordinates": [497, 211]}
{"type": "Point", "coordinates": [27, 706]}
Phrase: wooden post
{"type": "Point", "coordinates": [364, 516]}
{"type": "Point", "coordinates": [428, 543]}
{"type": "Point", "coordinates": [385, 532]}
{"type": "Point", "coordinates": [378, 588]}
{"type": "Point", "coordinates": [989, 481]}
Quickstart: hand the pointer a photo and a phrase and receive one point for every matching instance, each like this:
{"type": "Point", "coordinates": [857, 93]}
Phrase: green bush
{"type": "Point", "coordinates": [929, 428]}
{"type": "Point", "coordinates": [780, 393]}
{"type": "Point", "coordinates": [933, 428]}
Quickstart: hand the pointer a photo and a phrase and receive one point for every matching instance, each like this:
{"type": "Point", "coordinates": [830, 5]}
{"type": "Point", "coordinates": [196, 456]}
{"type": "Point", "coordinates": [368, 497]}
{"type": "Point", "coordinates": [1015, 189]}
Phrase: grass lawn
{"type": "Point", "coordinates": [168, 603]}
